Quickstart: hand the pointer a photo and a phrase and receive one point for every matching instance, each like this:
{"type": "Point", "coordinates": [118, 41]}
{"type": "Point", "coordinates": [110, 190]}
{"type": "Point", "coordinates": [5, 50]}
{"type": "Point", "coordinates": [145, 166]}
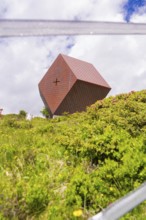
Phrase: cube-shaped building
{"type": "Point", "coordinates": [70, 85]}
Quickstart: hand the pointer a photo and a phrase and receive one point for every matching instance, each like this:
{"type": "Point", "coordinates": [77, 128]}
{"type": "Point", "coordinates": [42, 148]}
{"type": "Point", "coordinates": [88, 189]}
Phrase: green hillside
{"type": "Point", "coordinates": [73, 166]}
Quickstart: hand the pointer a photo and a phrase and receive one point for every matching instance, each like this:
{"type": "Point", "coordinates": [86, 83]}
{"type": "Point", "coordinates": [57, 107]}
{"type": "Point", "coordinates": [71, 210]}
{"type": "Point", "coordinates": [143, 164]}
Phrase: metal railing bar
{"type": "Point", "coordinates": [23, 28]}
{"type": "Point", "coordinates": [123, 205]}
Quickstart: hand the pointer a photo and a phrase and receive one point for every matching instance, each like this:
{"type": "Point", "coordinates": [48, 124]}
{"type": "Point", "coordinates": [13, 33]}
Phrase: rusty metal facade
{"type": "Point", "coordinates": [70, 85]}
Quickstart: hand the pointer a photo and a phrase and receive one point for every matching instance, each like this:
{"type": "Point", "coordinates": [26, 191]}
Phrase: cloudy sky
{"type": "Point", "coordinates": [121, 60]}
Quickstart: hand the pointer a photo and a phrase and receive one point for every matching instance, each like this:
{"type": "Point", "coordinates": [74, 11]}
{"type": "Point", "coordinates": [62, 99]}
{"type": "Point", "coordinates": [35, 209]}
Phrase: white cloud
{"type": "Point", "coordinates": [23, 64]}
{"type": "Point", "coordinates": [47, 9]}
{"type": "Point", "coordinates": [64, 9]}
{"type": "Point", "coordinates": [118, 58]}
{"type": "Point", "coordinates": [140, 16]}
{"type": "Point", "coordinates": [24, 61]}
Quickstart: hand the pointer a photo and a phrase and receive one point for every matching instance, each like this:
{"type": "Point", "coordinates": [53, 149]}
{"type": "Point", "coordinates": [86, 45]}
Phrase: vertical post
{"type": "Point", "coordinates": [1, 112]}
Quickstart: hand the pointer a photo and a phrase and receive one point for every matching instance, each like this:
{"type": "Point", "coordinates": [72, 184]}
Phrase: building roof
{"type": "Point", "coordinates": [85, 71]}
{"type": "Point", "coordinates": [71, 85]}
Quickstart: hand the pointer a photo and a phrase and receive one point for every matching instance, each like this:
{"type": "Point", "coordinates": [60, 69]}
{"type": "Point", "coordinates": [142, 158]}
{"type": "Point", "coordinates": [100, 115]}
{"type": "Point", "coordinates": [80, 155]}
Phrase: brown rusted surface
{"type": "Point", "coordinates": [71, 85]}
{"type": "Point", "coordinates": [85, 71]}
{"type": "Point", "coordinates": [81, 95]}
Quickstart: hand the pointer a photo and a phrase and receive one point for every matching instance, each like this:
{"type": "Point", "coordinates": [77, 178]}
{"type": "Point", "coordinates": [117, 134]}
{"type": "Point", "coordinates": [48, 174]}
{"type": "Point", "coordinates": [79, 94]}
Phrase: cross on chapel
{"type": "Point", "coordinates": [56, 81]}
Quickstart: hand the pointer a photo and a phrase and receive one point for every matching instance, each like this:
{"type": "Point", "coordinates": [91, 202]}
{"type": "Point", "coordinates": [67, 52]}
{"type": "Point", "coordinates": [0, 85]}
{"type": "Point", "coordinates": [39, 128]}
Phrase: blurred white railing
{"type": "Point", "coordinates": [123, 205]}
{"type": "Point", "coordinates": [22, 28]}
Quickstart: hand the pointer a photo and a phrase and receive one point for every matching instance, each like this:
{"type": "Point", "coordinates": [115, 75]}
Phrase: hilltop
{"type": "Point", "coordinates": [75, 164]}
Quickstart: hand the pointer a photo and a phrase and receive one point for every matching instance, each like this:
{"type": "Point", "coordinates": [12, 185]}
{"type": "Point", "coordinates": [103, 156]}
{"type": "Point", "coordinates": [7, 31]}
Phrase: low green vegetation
{"type": "Point", "coordinates": [73, 166]}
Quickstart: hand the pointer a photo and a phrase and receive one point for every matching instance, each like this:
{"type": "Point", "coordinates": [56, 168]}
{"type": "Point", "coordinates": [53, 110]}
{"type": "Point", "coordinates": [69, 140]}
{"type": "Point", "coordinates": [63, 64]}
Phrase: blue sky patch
{"type": "Point", "coordinates": [131, 7]}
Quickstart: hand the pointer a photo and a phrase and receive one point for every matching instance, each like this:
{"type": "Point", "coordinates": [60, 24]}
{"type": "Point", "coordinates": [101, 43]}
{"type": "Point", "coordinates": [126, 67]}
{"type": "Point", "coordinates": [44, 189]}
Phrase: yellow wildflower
{"type": "Point", "coordinates": [78, 213]}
